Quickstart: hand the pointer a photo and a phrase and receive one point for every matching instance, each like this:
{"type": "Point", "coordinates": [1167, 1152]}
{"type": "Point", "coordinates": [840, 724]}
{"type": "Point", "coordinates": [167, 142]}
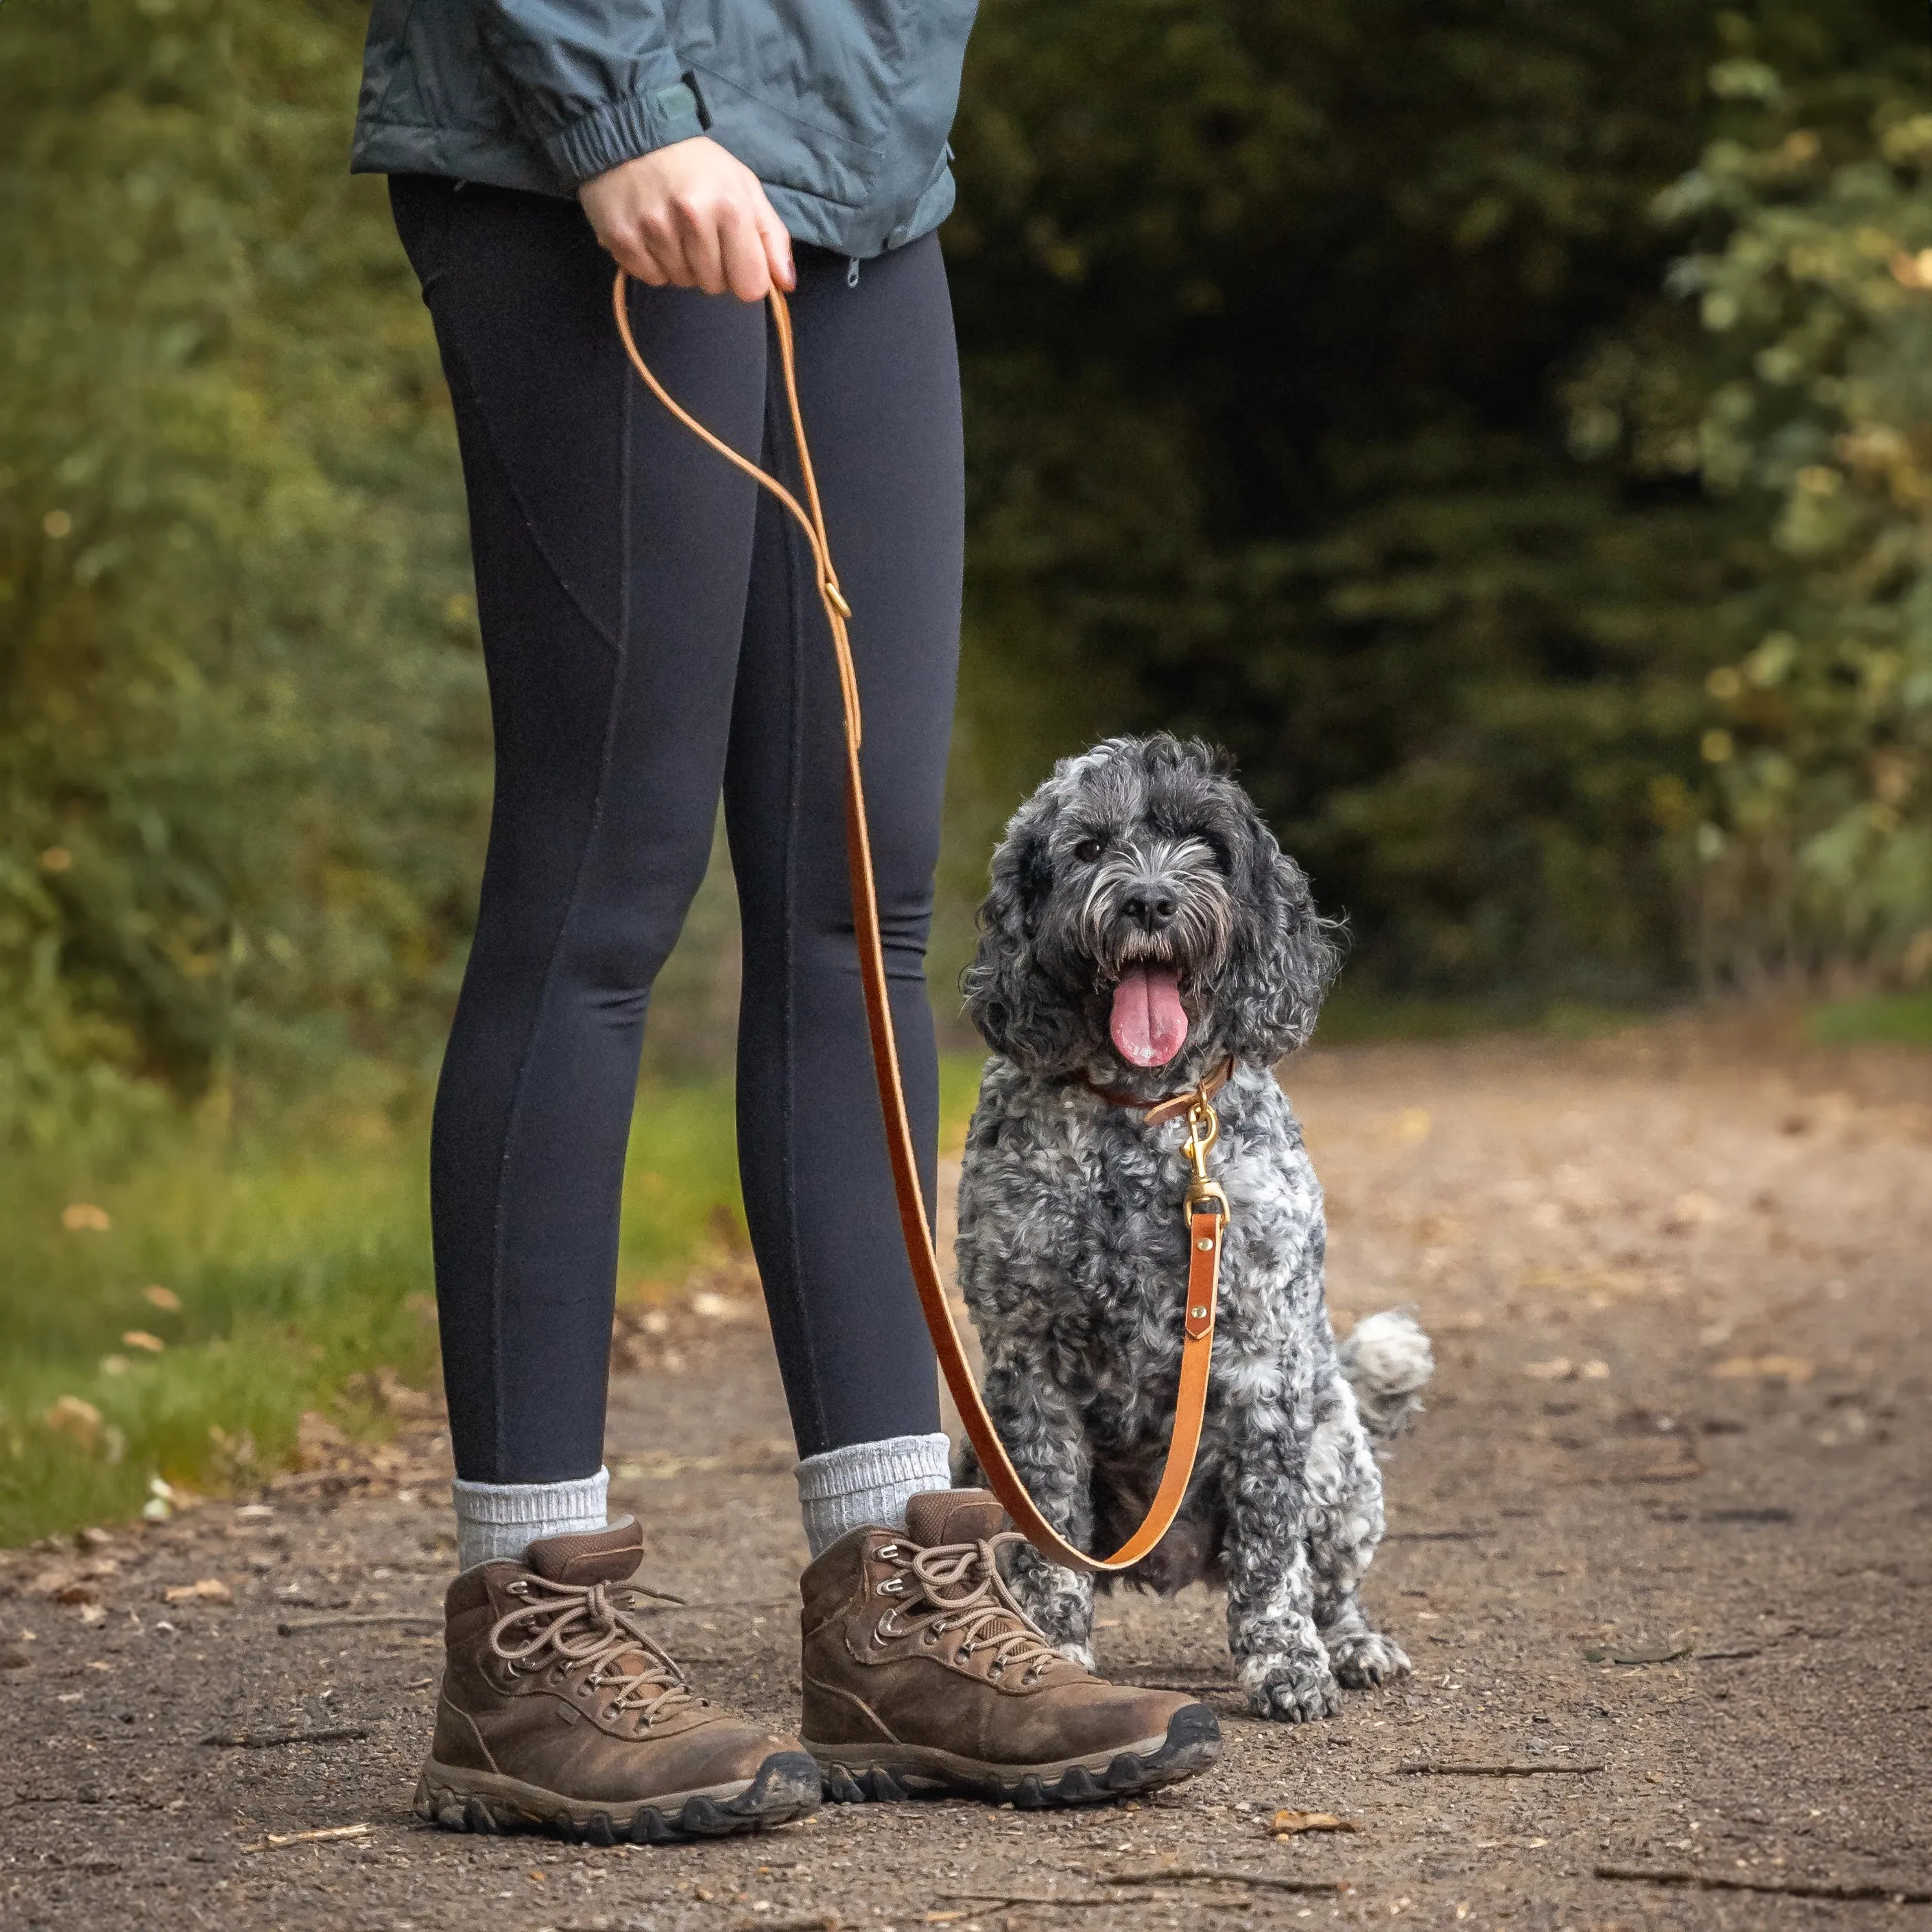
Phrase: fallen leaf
{"type": "Point", "coordinates": [1285, 1823]}
{"type": "Point", "coordinates": [1744, 1368]}
{"type": "Point", "coordinates": [1655, 1653]}
{"type": "Point", "coordinates": [163, 1298]}
{"type": "Point", "coordinates": [80, 1421]}
{"type": "Point", "coordinates": [84, 1217]}
{"type": "Point", "coordinates": [76, 1592]}
{"type": "Point", "coordinates": [207, 1590]}
{"type": "Point", "coordinates": [708, 1306]}
{"type": "Point", "coordinates": [1559, 1368]}
{"type": "Point", "coordinates": [1693, 1210]}
{"type": "Point", "coordinates": [140, 1338]}
{"type": "Point", "coordinates": [318, 1441]}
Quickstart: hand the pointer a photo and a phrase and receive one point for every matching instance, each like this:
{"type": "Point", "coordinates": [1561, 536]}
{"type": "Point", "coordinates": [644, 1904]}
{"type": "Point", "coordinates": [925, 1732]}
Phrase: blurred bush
{"type": "Point", "coordinates": [242, 743]}
{"type": "Point", "coordinates": [1273, 319]}
{"type": "Point", "coordinates": [1805, 402]}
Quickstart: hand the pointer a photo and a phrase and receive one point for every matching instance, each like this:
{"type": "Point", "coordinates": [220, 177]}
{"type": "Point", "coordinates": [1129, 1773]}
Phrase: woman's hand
{"type": "Point", "coordinates": [691, 216]}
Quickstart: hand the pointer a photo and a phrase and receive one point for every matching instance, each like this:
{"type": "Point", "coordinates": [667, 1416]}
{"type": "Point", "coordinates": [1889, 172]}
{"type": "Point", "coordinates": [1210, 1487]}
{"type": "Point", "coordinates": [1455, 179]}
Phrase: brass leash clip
{"type": "Point", "coordinates": [1204, 1129]}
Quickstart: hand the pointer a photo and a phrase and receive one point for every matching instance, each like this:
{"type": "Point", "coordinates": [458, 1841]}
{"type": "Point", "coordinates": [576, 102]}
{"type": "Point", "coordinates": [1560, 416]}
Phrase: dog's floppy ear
{"type": "Point", "coordinates": [1017, 1009]}
{"type": "Point", "coordinates": [1284, 958]}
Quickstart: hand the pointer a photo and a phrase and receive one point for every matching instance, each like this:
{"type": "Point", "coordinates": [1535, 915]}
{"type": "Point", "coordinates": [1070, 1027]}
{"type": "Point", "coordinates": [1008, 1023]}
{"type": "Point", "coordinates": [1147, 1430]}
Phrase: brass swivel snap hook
{"type": "Point", "coordinates": [1204, 1129]}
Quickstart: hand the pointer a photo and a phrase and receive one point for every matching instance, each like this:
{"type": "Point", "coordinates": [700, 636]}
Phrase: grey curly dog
{"type": "Point", "coordinates": [1144, 927]}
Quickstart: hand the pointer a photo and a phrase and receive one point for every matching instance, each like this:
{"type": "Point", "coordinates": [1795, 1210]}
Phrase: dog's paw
{"type": "Point", "coordinates": [1082, 1654]}
{"type": "Point", "coordinates": [1293, 1686]}
{"type": "Point", "coordinates": [1367, 1659]}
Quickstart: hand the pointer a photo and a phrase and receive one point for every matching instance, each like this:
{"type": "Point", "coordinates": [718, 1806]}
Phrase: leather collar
{"type": "Point", "coordinates": [1154, 1112]}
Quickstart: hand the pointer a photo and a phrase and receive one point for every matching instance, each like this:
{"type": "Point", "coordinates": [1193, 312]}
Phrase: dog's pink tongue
{"type": "Point", "coordinates": [1149, 1025]}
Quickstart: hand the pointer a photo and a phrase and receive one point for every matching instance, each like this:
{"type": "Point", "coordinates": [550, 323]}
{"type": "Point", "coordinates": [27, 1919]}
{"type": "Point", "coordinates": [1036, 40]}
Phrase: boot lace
{"type": "Point", "coordinates": [574, 1627]}
{"type": "Point", "coordinates": [958, 1586]}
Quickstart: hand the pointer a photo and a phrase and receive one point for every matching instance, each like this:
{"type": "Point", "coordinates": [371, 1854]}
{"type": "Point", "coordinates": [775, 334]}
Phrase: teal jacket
{"type": "Point", "coordinates": [840, 107]}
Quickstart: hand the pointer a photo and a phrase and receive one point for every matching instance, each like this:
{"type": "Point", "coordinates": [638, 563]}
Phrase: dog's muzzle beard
{"type": "Point", "coordinates": [1164, 909]}
{"type": "Point", "coordinates": [1155, 933]}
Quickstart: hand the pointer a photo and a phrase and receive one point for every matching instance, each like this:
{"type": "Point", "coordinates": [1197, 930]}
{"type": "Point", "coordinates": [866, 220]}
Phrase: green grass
{"type": "Point", "coordinates": [1353, 1017]}
{"type": "Point", "coordinates": [281, 1275]}
{"type": "Point", "coordinates": [958, 1088]}
{"type": "Point", "coordinates": [1885, 1019]}
{"type": "Point", "coordinates": [286, 1269]}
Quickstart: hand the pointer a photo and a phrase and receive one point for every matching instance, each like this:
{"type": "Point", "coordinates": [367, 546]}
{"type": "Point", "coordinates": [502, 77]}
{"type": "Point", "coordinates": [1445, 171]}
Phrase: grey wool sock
{"type": "Point", "coordinates": [497, 1520]}
{"type": "Point", "coordinates": [868, 1482]}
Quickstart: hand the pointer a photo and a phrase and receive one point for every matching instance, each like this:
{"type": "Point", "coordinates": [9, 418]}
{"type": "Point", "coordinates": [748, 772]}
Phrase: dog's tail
{"type": "Point", "coordinates": [1388, 1363]}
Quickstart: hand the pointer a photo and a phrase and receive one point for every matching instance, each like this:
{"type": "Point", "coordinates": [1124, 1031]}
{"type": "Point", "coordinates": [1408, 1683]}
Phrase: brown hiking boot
{"type": "Point", "coordinates": [922, 1673]}
{"type": "Point", "coordinates": [559, 1711]}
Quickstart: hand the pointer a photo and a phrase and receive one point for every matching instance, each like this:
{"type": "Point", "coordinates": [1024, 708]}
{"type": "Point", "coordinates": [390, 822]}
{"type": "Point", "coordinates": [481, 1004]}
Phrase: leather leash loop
{"type": "Point", "coordinates": [1206, 1206]}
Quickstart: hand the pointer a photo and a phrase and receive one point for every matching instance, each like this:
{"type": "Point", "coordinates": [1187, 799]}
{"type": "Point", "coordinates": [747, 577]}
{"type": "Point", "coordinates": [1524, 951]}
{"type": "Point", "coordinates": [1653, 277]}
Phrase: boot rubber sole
{"type": "Point", "coordinates": [785, 1786]}
{"type": "Point", "coordinates": [883, 1773]}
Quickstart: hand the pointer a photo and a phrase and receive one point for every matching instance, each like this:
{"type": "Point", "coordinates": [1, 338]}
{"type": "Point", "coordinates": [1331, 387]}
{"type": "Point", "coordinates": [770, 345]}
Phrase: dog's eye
{"type": "Point", "coordinates": [1087, 851]}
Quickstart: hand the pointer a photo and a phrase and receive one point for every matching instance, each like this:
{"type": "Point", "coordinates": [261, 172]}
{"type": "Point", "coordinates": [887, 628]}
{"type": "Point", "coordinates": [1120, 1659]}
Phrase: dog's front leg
{"type": "Point", "coordinates": [1283, 1664]}
{"type": "Point", "coordinates": [1046, 1439]}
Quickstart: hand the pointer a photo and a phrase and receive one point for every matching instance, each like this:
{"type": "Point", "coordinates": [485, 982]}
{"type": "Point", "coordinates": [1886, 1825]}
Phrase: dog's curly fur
{"type": "Point", "coordinates": [1072, 1249]}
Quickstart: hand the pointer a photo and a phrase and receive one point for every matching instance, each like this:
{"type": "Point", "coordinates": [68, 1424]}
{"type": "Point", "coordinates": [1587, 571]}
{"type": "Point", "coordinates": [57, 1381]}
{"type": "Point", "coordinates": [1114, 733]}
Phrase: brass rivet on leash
{"type": "Point", "coordinates": [1205, 1202]}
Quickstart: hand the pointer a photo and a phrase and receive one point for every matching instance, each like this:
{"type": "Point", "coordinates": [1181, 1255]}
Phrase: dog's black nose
{"type": "Point", "coordinates": [1151, 907]}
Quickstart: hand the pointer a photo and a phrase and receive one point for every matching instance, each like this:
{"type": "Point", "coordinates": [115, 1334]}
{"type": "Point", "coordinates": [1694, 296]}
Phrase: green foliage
{"type": "Point", "coordinates": [240, 733]}
{"type": "Point", "coordinates": [1808, 400]}
{"type": "Point", "coordinates": [1270, 315]}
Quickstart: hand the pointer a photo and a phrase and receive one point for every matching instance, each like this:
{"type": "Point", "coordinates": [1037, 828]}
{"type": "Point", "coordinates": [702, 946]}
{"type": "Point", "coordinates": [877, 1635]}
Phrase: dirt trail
{"type": "Point", "coordinates": [1663, 1543]}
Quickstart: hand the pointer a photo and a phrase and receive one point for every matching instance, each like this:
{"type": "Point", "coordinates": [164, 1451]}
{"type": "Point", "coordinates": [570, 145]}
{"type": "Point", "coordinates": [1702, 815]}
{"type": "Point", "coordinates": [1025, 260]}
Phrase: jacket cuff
{"type": "Point", "coordinates": [623, 130]}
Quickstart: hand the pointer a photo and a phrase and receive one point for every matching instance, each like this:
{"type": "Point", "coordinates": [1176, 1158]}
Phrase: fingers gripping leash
{"type": "Point", "coordinates": [1206, 1203]}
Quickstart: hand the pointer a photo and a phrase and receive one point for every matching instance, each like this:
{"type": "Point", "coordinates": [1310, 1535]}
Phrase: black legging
{"type": "Point", "coordinates": [651, 630]}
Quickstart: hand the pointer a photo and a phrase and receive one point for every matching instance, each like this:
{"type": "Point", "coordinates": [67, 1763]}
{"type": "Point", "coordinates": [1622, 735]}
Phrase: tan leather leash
{"type": "Point", "coordinates": [1206, 1206]}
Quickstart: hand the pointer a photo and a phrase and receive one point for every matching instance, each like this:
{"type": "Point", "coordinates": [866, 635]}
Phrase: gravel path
{"type": "Point", "coordinates": [1660, 1550]}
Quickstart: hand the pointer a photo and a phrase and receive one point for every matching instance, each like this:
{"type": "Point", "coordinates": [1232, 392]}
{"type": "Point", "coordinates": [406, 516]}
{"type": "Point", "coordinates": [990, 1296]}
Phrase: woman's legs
{"type": "Point", "coordinates": [613, 557]}
{"type": "Point", "coordinates": [610, 573]}
{"type": "Point", "coordinates": [648, 627]}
